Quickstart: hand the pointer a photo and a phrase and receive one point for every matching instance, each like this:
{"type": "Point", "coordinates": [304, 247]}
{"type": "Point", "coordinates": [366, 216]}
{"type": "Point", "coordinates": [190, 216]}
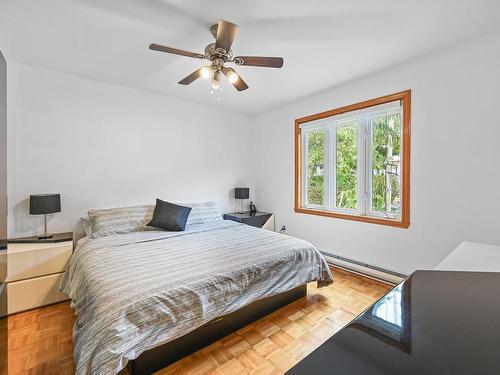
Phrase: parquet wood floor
{"type": "Point", "coordinates": [40, 340]}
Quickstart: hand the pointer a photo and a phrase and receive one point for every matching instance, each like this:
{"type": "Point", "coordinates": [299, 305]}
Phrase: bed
{"type": "Point", "coordinates": [133, 292]}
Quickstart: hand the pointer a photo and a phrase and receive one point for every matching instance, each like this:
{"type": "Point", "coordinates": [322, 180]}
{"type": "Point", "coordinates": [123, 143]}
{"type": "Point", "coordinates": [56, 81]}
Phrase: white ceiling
{"type": "Point", "coordinates": [324, 43]}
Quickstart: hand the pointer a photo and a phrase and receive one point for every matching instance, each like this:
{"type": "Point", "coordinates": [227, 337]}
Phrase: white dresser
{"type": "Point", "coordinates": [34, 271]}
{"type": "Point", "coordinates": [472, 256]}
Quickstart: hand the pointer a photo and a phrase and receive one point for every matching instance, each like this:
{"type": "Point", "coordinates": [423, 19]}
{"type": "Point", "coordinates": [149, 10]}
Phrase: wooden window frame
{"type": "Point", "coordinates": [404, 220]}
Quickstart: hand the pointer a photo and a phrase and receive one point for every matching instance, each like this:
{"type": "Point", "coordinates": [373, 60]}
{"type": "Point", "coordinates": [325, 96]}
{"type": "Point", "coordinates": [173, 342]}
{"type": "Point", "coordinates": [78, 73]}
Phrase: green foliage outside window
{"type": "Point", "coordinates": [386, 167]}
{"type": "Point", "coordinates": [386, 154]}
{"type": "Point", "coordinates": [315, 165]}
{"type": "Point", "coordinates": [347, 165]}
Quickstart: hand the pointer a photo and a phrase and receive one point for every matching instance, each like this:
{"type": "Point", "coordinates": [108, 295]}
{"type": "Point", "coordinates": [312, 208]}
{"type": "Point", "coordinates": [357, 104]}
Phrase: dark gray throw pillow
{"type": "Point", "coordinates": [169, 216]}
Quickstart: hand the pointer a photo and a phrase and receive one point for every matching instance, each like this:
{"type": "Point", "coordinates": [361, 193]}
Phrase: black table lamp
{"type": "Point", "coordinates": [241, 193]}
{"type": "Point", "coordinates": [43, 204]}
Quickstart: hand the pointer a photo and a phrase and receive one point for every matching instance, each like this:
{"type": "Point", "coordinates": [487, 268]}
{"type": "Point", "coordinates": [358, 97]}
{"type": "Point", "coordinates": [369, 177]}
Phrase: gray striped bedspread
{"type": "Point", "coordinates": [132, 292]}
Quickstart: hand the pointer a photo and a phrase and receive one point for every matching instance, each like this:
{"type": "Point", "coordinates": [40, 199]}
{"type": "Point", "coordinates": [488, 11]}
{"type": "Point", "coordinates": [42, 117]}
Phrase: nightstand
{"type": "Point", "coordinates": [259, 219]}
{"type": "Point", "coordinates": [34, 270]}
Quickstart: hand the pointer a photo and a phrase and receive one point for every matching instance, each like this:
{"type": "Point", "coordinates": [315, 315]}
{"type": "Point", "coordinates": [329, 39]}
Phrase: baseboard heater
{"type": "Point", "coordinates": [365, 269]}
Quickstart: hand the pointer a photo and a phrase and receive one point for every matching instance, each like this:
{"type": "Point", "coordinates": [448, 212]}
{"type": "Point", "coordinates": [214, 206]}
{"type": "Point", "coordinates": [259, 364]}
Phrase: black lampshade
{"type": "Point", "coordinates": [241, 193]}
{"type": "Point", "coordinates": [45, 204]}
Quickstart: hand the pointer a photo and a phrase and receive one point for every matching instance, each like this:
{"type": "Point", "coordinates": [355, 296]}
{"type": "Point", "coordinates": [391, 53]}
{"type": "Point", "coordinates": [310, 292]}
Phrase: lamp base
{"type": "Point", "coordinates": [242, 210]}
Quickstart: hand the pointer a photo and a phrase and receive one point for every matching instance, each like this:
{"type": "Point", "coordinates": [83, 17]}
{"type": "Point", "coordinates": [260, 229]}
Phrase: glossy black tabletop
{"type": "Point", "coordinates": [435, 322]}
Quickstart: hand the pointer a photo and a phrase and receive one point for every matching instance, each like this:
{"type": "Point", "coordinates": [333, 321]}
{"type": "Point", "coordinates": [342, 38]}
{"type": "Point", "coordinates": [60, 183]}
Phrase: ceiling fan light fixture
{"type": "Point", "coordinates": [216, 80]}
{"type": "Point", "coordinates": [215, 84]}
{"type": "Point", "coordinates": [206, 72]}
{"type": "Point", "coordinates": [232, 76]}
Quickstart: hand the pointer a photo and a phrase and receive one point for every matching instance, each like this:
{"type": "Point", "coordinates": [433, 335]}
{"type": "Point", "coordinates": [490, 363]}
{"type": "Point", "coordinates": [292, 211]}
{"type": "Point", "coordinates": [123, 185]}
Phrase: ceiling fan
{"type": "Point", "coordinates": [220, 53]}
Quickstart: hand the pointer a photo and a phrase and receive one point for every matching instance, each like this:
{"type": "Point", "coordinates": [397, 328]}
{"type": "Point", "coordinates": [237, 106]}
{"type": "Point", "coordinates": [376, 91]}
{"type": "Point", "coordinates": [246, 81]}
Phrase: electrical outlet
{"type": "Point", "coordinates": [283, 229]}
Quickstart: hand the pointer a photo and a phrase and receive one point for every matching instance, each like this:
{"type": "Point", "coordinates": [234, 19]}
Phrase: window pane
{"type": "Point", "coordinates": [315, 165]}
{"type": "Point", "coordinates": [347, 164]}
{"type": "Point", "coordinates": [386, 163]}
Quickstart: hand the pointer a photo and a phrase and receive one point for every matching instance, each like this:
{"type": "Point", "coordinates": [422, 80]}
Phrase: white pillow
{"type": "Point", "coordinates": [134, 218]}
{"type": "Point", "coordinates": [120, 220]}
{"type": "Point", "coordinates": [86, 226]}
{"type": "Point", "coordinates": [205, 212]}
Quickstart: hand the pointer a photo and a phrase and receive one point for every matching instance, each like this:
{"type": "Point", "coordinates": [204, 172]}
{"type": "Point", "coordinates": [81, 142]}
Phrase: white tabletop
{"type": "Point", "coordinates": [472, 256]}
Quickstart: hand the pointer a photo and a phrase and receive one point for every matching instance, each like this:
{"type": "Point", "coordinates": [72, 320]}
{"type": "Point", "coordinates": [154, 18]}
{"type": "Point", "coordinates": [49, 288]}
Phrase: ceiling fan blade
{"type": "Point", "coordinates": [190, 78]}
{"type": "Point", "coordinates": [175, 51]}
{"type": "Point", "coordinates": [239, 84]}
{"type": "Point", "coordinates": [267, 62]}
{"type": "Point", "coordinates": [226, 32]}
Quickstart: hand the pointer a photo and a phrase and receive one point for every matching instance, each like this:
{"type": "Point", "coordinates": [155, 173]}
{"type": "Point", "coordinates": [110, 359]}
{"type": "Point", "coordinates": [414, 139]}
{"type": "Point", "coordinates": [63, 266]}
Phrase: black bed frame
{"type": "Point", "coordinates": [157, 358]}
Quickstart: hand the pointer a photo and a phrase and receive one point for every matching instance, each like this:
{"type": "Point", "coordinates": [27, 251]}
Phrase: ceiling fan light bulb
{"type": "Point", "coordinates": [215, 83]}
{"type": "Point", "coordinates": [232, 76]}
{"type": "Point", "coordinates": [206, 72]}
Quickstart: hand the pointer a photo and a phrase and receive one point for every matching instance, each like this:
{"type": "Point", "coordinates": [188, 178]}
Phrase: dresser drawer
{"type": "Point", "coordinates": [32, 260]}
{"type": "Point", "coordinates": [39, 291]}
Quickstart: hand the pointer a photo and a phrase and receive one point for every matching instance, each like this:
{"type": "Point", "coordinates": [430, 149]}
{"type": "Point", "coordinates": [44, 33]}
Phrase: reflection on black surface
{"type": "Point", "coordinates": [389, 319]}
{"type": "Point", "coordinates": [434, 323]}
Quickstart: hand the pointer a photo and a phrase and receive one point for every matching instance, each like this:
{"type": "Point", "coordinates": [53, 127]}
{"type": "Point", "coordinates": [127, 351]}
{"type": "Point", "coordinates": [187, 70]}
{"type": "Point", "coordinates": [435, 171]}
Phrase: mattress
{"type": "Point", "coordinates": [132, 292]}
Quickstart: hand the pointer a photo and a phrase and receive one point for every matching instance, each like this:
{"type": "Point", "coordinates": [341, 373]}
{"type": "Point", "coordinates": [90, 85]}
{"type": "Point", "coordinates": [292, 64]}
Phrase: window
{"type": "Point", "coordinates": [353, 162]}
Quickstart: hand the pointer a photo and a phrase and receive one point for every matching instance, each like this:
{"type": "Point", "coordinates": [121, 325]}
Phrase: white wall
{"type": "Point", "coordinates": [455, 160]}
{"type": "Point", "coordinates": [101, 145]}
